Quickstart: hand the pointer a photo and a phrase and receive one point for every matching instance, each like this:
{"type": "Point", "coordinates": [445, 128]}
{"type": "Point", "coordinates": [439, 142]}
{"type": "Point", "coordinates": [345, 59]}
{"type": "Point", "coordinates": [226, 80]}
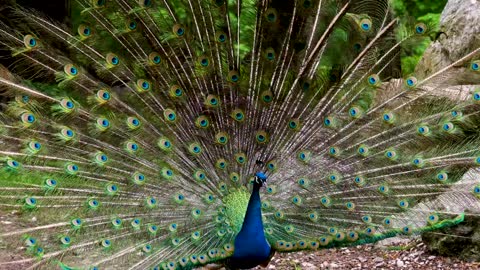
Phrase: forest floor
{"type": "Point", "coordinates": [398, 254]}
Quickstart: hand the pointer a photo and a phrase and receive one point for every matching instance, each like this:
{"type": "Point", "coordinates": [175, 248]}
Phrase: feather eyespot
{"type": "Point", "coordinates": [28, 119]}
{"type": "Point", "coordinates": [476, 190]}
{"type": "Point", "coordinates": [98, 3]}
{"type": "Point", "coordinates": [50, 184]}
{"type": "Point", "coordinates": [133, 123]}
{"type": "Point", "coordinates": [84, 31]}
{"type": "Point", "coordinates": [67, 134]}
{"type": "Point", "coordinates": [420, 28]}
{"type": "Point", "coordinates": [76, 223]}
{"type": "Point", "coordinates": [389, 117]}
{"type": "Point", "coordinates": [176, 91]}
{"type": "Point", "coordinates": [203, 61]}
{"type": "Point", "coordinates": [221, 37]}
{"type": "Point", "coordinates": [101, 158]}
{"type": "Point", "coordinates": [271, 15]}
{"type": "Point", "coordinates": [266, 97]}
{"type": "Point", "coordinates": [138, 178]}
{"type": "Point", "coordinates": [202, 121]}
{"type": "Point", "coordinates": [112, 60]}
{"type": "Point", "coordinates": [387, 222]}
{"type": "Point", "coordinates": [355, 112]}
{"type": "Point", "coordinates": [366, 24]}
{"type": "Point", "coordinates": [476, 96]}
{"type": "Point", "coordinates": [221, 138]}
{"type": "Point", "coordinates": [71, 169]}
{"type": "Point", "coordinates": [374, 80]}
{"type": "Point", "coordinates": [143, 85]}
{"type": "Point", "coordinates": [145, 3]}
{"type": "Point", "coordinates": [261, 137]}
{"type": "Point", "coordinates": [233, 76]}
{"type": "Point", "coordinates": [475, 65]}
{"type": "Point", "coordinates": [448, 127]}
{"type": "Point", "coordinates": [178, 30]}
{"type": "Point", "coordinates": [221, 164]}
{"type": "Point", "coordinates": [165, 144]}
{"type": "Point", "coordinates": [102, 124]}
{"type": "Point", "coordinates": [270, 54]}
{"type": "Point", "coordinates": [212, 101]}
{"type": "Point", "coordinates": [65, 240]}
{"type": "Point", "coordinates": [238, 115]}
{"type": "Point", "coordinates": [411, 82]}
{"type": "Point", "coordinates": [71, 70]}
{"type": "Point", "coordinates": [350, 206]}
{"type": "Point", "coordinates": [423, 130]}
{"type": "Point", "coordinates": [67, 104]}
{"type": "Point", "coordinates": [135, 223]}
{"type": "Point", "coordinates": [111, 189]}
{"type": "Point", "coordinates": [30, 41]}
{"type": "Point", "coordinates": [170, 115]}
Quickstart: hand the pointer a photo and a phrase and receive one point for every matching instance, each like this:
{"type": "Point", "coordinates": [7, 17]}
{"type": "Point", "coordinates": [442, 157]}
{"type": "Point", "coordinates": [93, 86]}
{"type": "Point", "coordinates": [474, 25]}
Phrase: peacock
{"type": "Point", "coordinates": [173, 134]}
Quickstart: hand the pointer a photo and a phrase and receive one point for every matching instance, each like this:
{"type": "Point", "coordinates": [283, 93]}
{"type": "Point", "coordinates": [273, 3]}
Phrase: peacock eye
{"type": "Point", "coordinates": [30, 41]}
{"type": "Point", "coordinates": [420, 28]}
{"type": "Point", "coordinates": [222, 38]}
{"type": "Point", "coordinates": [178, 30]}
{"type": "Point", "coordinates": [204, 62]}
{"type": "Point", "coordinates": [475, 66]}
{"type": "Point", "coordinates": [145, 3]}
{"type": "Point", "coordinates": [366, 24]}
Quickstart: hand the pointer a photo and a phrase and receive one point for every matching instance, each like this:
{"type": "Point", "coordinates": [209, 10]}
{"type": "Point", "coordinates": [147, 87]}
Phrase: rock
{"type": "Point", "coordinates": [308, 266]}
{"type": "Point", "coordinates": [333, 265]}
{"type": "Point", "coordinates": [400, 263]}
{"type": "Point", "coordinates": [460, 241]}
{"type": "Point", "coordinates": [34, 219]}
{"type": "Point", "coordinates": [271, 266]}
{"type": "Point", "coordinates": [458, 35]}
{"type": "Point", "coordinates": [392, 241]}
{"type": "Point", "coordinates": [378, 259]}
{"type": "Point", "coordinates": [362, 259]}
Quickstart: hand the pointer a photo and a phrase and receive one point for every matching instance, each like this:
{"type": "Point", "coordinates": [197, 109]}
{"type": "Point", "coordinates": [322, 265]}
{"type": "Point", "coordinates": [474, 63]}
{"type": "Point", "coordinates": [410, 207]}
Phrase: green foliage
{"type": "Point", "coordinates": [426, 11]}
{"type": "Point", "coordinates": [418, 8]}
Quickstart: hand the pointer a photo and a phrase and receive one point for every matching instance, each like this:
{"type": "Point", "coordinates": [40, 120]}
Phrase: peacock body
{"type": "Point", "coordinates": [143, 139]}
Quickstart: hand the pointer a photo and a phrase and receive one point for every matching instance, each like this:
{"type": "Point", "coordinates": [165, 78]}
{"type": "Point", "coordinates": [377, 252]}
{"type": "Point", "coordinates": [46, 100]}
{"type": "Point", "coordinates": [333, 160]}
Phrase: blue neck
{"type": "Point", "coordinates": [251, 247]}
{"type": "Point", "coordinates": [253, 217]}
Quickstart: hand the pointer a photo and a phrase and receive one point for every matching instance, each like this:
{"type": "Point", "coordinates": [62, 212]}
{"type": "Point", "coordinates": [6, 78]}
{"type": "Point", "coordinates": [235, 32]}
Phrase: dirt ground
{"type": "Point", "coordinates": [408, 254]}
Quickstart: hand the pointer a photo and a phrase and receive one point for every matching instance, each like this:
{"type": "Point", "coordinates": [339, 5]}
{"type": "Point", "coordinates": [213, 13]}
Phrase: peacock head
{"type": "Point", "coordinates": [260, 179]}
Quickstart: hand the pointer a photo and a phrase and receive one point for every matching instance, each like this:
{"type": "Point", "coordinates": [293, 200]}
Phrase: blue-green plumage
{"type": "Point", "coordinates": [251, 247]}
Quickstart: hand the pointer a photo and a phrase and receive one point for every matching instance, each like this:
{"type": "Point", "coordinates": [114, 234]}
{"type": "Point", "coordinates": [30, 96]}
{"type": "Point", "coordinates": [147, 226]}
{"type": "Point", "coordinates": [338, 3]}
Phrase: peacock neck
{"type": "Point", "coordinates": [251, 247]}
{"type": "Point", "coordinates": [253, 216]}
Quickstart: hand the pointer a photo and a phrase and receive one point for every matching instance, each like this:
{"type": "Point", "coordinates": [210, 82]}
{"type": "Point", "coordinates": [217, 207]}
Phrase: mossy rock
{"type": "Point", "coordinates": [461, 241]}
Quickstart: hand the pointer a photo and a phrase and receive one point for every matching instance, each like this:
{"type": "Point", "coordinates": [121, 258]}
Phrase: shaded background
{"type": "Point", "coordinates": [427, 11]}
